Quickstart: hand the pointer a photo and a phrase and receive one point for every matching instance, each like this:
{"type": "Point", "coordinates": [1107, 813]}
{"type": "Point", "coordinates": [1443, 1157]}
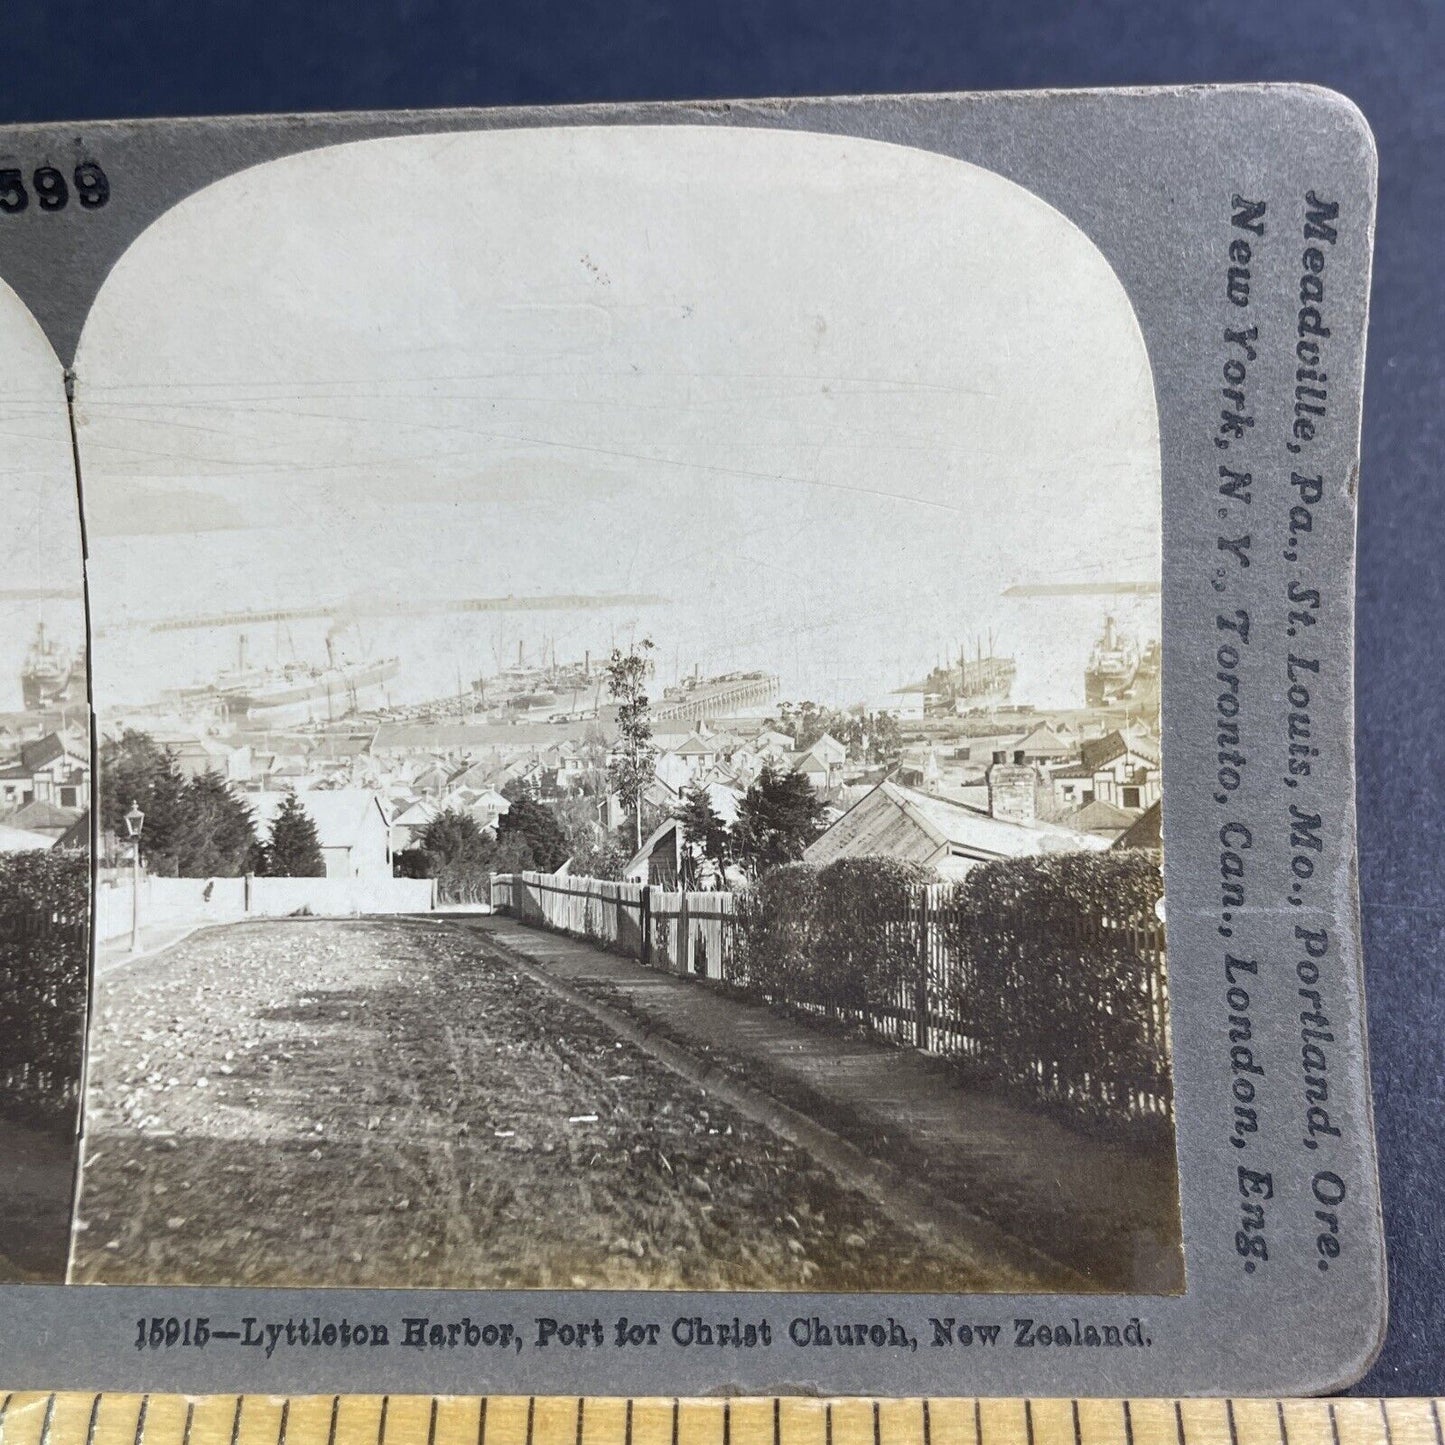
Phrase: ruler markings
{"type": "Point", "coordinates": [147, 1419]}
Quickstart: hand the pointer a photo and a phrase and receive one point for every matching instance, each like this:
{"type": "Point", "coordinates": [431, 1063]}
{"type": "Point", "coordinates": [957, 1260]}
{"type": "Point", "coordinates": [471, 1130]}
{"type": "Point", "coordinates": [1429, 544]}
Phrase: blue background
{"type": "Point", "coordinates": [85, 60]}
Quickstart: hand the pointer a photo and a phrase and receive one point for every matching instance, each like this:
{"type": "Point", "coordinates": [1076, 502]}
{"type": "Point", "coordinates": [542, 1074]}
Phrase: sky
{"type": "Point", "coordinates": [825, 397]}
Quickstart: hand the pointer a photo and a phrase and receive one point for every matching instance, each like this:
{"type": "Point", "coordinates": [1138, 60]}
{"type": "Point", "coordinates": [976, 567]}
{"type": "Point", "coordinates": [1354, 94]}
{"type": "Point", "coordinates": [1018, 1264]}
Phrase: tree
{"type": "Point", "coordinates": [885, 738]}
{"type": "Point", "coordinates": [594, 852]}
{"type": "Point", "coordinates": [635, 757]}
{"type": "Point", "coordinates": [704, 834]}
{"type": "Point", "coordinates": [136, 769]}
{"type": "Point", "coordinates": [453, 839]}
{"type": "Point", "coordinates": [777, 819]}
{"type": "Point", "coordinates": [294, 849]}
{"type": "Point", "coordinates": [195, 829]}
{"type": "Point", "coordinates": [216, 834]}
{"type": "Point", "coordinates": [533, 823]}
{"type": "Point", "coordinates": [454, 850]}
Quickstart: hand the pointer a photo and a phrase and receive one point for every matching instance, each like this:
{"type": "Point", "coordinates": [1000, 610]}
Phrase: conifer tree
{"type": "Point", "coordinates": [704, 834]}
{"type": "Point", "coordinates": [777, 819]}
{"type": "Point", "coordinates": [294, 849]}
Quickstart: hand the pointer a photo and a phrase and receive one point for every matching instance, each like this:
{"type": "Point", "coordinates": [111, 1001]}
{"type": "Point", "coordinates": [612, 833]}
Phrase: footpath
{"type": "Point", "coordinates": [1105, 1212]}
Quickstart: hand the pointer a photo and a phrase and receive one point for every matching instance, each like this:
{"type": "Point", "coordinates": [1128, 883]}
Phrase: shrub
{"type": "Point", "coordinates": [867, 942]}
{"type": "Point", "coordinates": [44, 927]}
{"type": "Point", "coordinates": [776, 951]}
{"type": "Point", "coordinates": [1058, 982]}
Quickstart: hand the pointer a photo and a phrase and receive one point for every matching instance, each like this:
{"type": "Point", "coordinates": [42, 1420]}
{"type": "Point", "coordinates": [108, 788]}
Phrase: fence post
{"type": "Point", "coordinates": [920, 983]}
{"type": "Point", "coordinates": [684, 925]}
{"type": "Point", "coordinates": [645, 918]}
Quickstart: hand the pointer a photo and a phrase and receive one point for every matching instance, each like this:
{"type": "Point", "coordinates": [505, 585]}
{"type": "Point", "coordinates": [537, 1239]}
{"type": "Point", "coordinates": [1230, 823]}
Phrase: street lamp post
{"type": "Point", "coordinates": [134, 822]}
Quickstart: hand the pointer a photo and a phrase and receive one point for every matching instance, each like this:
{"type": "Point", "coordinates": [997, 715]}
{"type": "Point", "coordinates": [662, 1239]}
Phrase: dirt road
{"type": "Point", "coordinates": [387, 1103]}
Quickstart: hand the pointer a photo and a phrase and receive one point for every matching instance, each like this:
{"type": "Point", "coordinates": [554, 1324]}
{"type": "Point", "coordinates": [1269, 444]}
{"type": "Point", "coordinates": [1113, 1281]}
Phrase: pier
{"type": "Point", "coordinates": [712, 699]}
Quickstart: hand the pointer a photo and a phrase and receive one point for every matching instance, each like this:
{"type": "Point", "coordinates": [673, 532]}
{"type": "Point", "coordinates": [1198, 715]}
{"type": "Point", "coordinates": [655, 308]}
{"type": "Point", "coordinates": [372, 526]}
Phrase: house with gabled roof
{"type": "Point", "coordinates": [821, 763]}
{"type": "Point", "coordinates": [1115, 769]}
{"type": "Point", "coordinates": [897, 822]}
{"type": "Point", "coordinates": [42, 816]}
{"type": "Point", "coordinates": [352, 828]}
{"type": "Point", "coordinates": [196, 756]}
{"type": "Point", "coordinates": [1042, 745]}
{"type": "Point", "coordinates": [1146, 831]}
{"type": "Point", "coordinates": [1101, 818]}
{"type": "Point", "coordinates": [53, 769]}
{"type": "Point", "coordinates": [697, 751]}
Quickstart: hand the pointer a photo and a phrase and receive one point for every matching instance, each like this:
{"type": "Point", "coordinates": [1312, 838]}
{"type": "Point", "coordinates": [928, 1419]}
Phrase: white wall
{"type": "Point", "coordinates": [339, 897]}
{"type": "Point", "coordinates": [195, 901]}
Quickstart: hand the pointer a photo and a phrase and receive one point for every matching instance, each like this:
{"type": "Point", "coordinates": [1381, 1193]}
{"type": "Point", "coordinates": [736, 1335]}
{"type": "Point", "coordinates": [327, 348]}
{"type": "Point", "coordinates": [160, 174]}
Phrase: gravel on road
{"type": "Point", "coordinates": [385, 1103]}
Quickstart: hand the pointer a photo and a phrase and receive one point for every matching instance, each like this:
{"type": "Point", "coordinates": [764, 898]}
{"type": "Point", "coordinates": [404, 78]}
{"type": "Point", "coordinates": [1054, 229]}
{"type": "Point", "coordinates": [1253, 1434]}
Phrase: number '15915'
{"type": "Point", "coordinates": [52, 190]}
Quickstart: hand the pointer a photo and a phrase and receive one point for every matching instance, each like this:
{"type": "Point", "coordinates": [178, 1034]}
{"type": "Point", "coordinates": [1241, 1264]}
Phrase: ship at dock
{"type": "Point", "coordinates": [292, 691]}
{"type": "Point", "coordinates": [1113, 666]}
{"type": "Point", "coordinates": [51, 675]}
{"type": "Point", "coordinates": [981, 680]}
{"type": "Point", "coordinates": [525, 689]}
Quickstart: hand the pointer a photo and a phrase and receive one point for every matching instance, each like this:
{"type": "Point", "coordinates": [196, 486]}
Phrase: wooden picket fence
{"type": "Point", "coordinates": [682, 933]}
{"type": "Point", "coordinates": [1073, 1012]}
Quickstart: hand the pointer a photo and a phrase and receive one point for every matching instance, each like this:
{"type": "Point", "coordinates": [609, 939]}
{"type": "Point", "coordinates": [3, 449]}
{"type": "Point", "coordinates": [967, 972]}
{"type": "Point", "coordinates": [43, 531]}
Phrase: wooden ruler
{"type": "Point", "coordinates": [121, 1419]}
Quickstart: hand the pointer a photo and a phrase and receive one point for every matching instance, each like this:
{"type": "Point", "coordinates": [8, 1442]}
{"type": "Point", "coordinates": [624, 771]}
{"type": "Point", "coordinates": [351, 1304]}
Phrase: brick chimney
{"type": "Point", "coordinates": [1012, 792]}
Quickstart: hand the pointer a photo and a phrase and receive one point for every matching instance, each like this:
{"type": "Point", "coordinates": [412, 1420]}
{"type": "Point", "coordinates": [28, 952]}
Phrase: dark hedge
{"type": "Point", "coordinates": [44, 956]}
{"type": "Point", "coordinates": [1044, 974]}
{"type": "Point", "coordinates": [868, 949]}
{"type": "Point", "coordinates": [775, 950]}
{"type": "Point", "coordinates": [1060, 982]}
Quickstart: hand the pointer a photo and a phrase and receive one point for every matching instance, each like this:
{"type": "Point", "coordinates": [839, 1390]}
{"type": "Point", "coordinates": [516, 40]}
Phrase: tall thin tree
{"type": "Point", "coordinates": [634, 757]}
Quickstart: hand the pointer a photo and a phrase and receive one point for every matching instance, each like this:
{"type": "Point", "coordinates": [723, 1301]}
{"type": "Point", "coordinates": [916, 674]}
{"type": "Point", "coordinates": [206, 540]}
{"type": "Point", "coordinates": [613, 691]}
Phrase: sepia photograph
{"type": "Point", "coordinates": [626, 683]}
{"type": "Point", "coordinates": [44, 807]}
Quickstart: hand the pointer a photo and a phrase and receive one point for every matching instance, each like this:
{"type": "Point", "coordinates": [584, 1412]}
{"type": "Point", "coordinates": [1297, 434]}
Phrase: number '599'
{"type": "Point", "coordinates": [52, 190]}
